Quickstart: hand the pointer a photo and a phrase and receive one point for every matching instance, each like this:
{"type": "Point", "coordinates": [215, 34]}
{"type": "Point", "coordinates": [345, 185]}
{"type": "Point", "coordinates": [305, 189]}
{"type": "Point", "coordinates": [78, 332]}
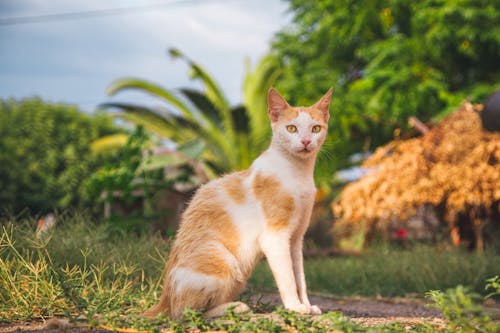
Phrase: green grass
{"type": "Point", "coordinates": [79, 268]}
{"type": "Point", "coordinates": [96, 273]}
{"type": "Point", "coordinates": [389, 271]}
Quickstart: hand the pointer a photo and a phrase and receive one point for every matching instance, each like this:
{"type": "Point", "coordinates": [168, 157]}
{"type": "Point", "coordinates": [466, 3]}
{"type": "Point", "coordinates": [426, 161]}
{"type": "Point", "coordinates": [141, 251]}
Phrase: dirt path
{"type": "Point", "coordinates": [373, 311]}
{"type": "Point", "coordinates": [366, 311]}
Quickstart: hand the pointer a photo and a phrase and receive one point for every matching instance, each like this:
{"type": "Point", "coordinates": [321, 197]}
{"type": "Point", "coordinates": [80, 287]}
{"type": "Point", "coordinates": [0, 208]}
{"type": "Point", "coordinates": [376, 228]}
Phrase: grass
{"type": "Point", "coordinates": [96, 273]}
{"type": "Point", "coordinates": [389, 271]}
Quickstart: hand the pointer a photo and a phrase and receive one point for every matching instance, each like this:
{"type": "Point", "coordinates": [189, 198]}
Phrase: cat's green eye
{"type": "Point", "coordinates": [316, 129]}
{"type": "Point", "coordinates": [291, 128]}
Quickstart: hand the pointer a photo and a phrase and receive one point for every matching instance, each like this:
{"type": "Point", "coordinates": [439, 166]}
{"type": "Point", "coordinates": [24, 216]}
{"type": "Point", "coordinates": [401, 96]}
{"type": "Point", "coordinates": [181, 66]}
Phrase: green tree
{"type": "Point", "coordinates": [233, 135]}
{"type": "Point", "coordinates": [388, 60]}
{"type": "Point", "coordinates": [45, 154]}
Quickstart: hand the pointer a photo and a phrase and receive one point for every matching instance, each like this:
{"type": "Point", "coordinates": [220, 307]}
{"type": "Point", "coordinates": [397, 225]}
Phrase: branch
{"type": "Point", "coordinates": [420, 126]}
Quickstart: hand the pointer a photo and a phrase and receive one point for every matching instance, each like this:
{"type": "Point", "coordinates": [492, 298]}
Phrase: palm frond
{"type": "Point", "coordinates": [255, 87]}
{"type": "Point", "coordinates": [205, 106]}
{"type": "Point", "coordinates": [212, 91]}
{"type": "Point", "coordinates": [159, 122]}
{"type": "Point", "coordinates": [152, 89]}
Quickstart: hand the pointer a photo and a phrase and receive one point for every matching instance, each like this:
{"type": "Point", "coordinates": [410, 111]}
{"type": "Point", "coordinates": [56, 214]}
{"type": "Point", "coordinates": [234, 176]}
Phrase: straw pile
{"type": "Point", "coordinates": [454, 167]}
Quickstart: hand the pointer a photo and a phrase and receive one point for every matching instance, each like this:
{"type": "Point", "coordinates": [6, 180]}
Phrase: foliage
{"type": "Point", "coordinates": [141, 170]}
{"type": "Point", "coordinates": [494, 285]}
{"type": "Point", "coordinates": [387, 60]}
{"type": "Point", "coordinates": [462, 310]}
{"type": "Point", "coordinates": [95, 275]}
{"type": "Point", "coordinates": [455, 167]}
{"type": "Point", "coordinates": [233, 136]}
{"type": "Point", "coordinates": [120, 173]}
{"type": "Point", "coordinates": [45, 154]}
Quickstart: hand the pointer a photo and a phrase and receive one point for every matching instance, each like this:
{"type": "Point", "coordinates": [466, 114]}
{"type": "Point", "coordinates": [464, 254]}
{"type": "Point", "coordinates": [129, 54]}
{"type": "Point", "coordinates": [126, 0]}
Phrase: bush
{"type": "Point", "coordinates": [45, 154]}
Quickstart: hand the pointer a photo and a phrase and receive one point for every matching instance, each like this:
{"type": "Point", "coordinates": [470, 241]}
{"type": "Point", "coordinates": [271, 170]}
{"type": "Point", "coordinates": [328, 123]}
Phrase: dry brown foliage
{"type": "Point", "coordinates": [455, 167]}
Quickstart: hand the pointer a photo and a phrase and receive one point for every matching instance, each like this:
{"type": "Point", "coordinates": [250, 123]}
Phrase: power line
{"type": "Point", "coordinates": [6, 21]}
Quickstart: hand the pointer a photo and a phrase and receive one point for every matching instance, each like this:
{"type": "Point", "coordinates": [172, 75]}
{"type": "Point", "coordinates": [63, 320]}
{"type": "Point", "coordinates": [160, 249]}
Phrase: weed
{"type": "Point", "coordinates": [494, 284]}
{"type": "Point", "coordinates": [462, 310]}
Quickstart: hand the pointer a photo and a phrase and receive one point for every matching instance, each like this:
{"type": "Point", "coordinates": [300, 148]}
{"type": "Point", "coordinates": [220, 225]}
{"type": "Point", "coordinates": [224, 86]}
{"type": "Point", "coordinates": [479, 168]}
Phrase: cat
{"type": "Point", "coordinates": [233, 221]}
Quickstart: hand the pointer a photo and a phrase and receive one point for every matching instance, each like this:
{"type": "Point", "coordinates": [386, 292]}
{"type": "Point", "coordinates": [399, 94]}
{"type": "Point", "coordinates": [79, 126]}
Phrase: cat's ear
{"type": "Point", "coordinates": [276, 104]}
{"type": "Point", "coordinates": [324, 104]}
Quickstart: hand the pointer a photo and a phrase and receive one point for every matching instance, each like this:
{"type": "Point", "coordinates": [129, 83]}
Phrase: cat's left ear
{"type": "Point", "coordinates": [324, 104]}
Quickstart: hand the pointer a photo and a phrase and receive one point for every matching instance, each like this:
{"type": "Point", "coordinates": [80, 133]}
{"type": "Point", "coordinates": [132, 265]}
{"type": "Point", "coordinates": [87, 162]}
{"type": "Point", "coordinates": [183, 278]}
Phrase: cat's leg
{"type": "Point", "coordinates": [297, 242]}
{"type": "Point", "coordinates": [220, 310]}
{"type": "Point", "coordinates": [276, 248]}
{"type": "Point", "coordinates": [193, 289]}
{"type": "Point", "coordinates": [298, 270]}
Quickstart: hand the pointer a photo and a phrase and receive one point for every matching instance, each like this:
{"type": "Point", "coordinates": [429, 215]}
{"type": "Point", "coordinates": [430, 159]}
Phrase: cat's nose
{"type": "Point", "coordinates": [305, 142]}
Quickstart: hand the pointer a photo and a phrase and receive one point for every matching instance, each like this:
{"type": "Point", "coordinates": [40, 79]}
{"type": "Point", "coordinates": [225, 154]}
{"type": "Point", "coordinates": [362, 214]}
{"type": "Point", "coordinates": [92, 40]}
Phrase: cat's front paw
{"type": "Point", "coordinates": [300, 308]}
{"type": "Point", "coordinates": [315, 310]}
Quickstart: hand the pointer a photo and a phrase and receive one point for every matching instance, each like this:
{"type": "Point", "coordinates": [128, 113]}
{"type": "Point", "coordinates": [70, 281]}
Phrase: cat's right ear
{"type": "Point", "coordinates": [276, 104]}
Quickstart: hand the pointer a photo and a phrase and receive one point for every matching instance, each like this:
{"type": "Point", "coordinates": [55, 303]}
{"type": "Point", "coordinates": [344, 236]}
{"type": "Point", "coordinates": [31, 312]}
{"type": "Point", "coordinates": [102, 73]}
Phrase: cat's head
{"type": "Point", "coordinates": [299, 130]}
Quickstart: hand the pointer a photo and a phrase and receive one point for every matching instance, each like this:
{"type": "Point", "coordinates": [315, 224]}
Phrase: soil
{"type": "Point", "coordinates": [365, 311]}
{"type": "Point", "coordinates": [373, 311]}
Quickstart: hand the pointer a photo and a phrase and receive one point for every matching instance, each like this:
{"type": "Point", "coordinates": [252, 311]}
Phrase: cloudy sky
{"type": "Point", "coordinates": [70, 51]}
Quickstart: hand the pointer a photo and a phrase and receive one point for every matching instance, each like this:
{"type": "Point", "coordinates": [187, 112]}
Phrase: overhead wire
{"type": "Point", "coordinates": [7, 21]}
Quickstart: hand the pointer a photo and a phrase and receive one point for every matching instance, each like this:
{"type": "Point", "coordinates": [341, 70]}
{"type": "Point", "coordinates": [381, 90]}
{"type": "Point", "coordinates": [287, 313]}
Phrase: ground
{"type": "Point", "coordinates": [366, 311]}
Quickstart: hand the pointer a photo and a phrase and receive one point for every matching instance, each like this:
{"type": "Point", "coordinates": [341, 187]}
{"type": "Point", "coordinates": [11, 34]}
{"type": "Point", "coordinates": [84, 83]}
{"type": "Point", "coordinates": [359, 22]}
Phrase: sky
{"type": "Point", "coordinates": [71, 50]}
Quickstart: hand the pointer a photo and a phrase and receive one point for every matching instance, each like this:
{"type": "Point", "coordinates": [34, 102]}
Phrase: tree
{"type": "Point", "coordinates": [233, 135]}
{"type": "Point", "coordinates": [387, 61]}
{"type": "Point", "coordinates": [45, 154]}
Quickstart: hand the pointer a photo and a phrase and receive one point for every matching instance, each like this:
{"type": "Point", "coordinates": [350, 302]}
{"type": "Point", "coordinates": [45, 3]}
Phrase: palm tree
{"type": "Point", "coordinates": [233, 135]}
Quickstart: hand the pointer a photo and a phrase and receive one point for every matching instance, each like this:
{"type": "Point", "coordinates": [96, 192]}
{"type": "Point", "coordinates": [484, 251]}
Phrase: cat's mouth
{"type": "Point", "coordinates": [305, 150]}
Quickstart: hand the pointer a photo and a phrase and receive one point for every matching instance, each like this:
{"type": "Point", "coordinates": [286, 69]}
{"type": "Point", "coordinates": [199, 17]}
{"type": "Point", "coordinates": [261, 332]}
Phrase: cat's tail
{"type": "Point", "coordinates": [162, 307]}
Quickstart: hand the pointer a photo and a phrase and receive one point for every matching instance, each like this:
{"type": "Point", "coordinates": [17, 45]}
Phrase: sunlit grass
{"type": "Point", "coordinates": [96, 274]}
{"type": "Point", "coordinates": [78, 269]}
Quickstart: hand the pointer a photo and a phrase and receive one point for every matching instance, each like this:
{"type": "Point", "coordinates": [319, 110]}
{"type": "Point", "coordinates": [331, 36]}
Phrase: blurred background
{"type": "Point", "coordinates": [121, 109]}
{"type": "Point", "coordinates": [113, 113]}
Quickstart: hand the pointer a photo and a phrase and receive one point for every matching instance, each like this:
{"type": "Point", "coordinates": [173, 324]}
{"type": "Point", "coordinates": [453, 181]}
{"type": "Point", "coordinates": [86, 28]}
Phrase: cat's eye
{"type": "Point", "coordinates": [291, 128]}
{"type": "Point", "coordinates": [316, 129]}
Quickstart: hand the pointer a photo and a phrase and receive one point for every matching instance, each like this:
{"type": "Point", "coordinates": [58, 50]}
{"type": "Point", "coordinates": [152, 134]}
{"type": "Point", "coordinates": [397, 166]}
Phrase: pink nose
{"type": "Point", "coordinates": [305, 142]}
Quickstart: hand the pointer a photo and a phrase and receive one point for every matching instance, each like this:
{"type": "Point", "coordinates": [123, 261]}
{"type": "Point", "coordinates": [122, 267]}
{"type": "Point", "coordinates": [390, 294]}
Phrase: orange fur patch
{"type": "Point", "coordinates": [233, 184]}
{"type": "Point", "coordinates": [293, 112]}
{"type": "Point", "coordinates": [206, 220]}
{"type": "Point", "coordinates": [288, 115]}
{"type": "Point", "coordinates": [316, 114]}
{"type": "Point", "coordinates": [278, 205]}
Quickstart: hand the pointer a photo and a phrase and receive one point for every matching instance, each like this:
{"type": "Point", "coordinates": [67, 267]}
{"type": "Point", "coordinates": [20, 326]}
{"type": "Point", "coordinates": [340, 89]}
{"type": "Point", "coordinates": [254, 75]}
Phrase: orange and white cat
{"type": "Point", "coordinates": [234, 220]}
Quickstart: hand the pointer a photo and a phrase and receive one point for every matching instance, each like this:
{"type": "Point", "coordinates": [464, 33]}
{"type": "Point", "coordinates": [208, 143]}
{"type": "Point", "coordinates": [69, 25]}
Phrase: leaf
{"type": "Point", "coordinates": [152, 89]}
{"type": "Point", "coordinates": [108, 143]}
{"type": "Point", "coordinates": [160, 161]}
{"type": "Point", "coordinates": [193, 149]}
{"type": "Point", "coordinates": [204, 105]}
{"type": "Point", "coordinates": [240, 119]}
{"type": "Point", "coordinates": [213, 93]}
{"type": "Point", "coordinates": [162, 123]}
{"type": "Point", "coordinates": [255, 88]}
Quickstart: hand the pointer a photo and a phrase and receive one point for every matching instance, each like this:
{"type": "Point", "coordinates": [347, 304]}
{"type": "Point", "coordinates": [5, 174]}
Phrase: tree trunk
{"type": "Point", "coordinates": [478, 233]}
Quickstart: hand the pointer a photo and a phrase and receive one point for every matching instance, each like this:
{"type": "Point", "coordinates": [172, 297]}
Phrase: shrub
{"type": "Point", "coordinates": [45, 155]}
